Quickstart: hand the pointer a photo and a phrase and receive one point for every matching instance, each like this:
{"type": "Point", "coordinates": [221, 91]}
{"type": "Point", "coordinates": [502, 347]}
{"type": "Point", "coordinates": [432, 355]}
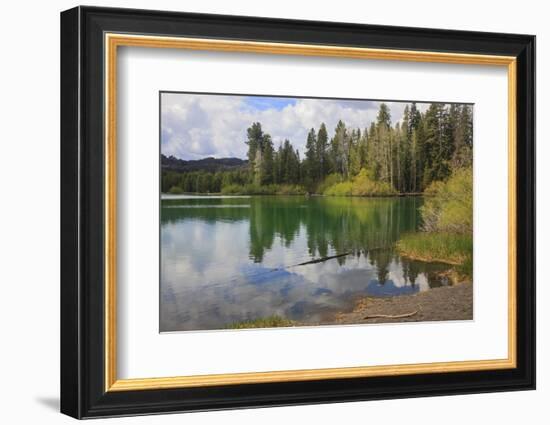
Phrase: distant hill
{"type": "Point", "coordinates": [171, 163]}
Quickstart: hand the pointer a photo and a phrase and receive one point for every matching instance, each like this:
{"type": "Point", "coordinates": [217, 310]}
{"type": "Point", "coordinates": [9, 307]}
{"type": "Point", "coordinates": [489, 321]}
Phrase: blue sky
{"type": "Point", "coordinates": [262, 103]}
{"type": "Point", "coordinates": [195, 126]}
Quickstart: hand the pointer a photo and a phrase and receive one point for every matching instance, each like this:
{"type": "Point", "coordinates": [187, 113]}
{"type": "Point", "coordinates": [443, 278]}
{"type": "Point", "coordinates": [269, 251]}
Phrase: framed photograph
{"type": "Point", "coordinates": [261, 212]}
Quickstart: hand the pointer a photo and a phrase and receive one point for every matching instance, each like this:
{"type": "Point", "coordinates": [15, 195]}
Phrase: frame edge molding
{"type": "Point", "coordinates": [84, 383]}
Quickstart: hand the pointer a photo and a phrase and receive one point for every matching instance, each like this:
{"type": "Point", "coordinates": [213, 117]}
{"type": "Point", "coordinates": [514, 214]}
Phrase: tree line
{"type": "Point", "coordinates": [407, 156]}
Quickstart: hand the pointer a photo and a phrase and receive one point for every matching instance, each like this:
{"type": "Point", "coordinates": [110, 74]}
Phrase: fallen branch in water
{"type": "Point", "coordinates": [390, 316]}
{"type": "Point", "coordinates": [320, 260]}
{"type": "Point", "coordinates": [323, 259]}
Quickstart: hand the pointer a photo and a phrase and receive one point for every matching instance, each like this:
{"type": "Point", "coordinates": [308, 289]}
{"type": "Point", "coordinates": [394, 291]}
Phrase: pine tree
{"type": "Point", "coordinates": [462, 156]}
{"type": "Point", "coordinates": [358, 154]}
{"type": "Point", "coordinates": [437, 145]}
{"type": "Point", "coordinates": [362, 149]}
{"type": "Point", "coordinates": [406, 153]}
{"type": "Point", "coordinates": [257, 170]}
{"type": "Point", "coordinates": [287, 155]}
{"type": "Point", "coordinates": [414, 118]}
{"type": "Point", "coordinates": [340, 149]}
{"type": "Point", "coordinates": [278, 165]}
{"type": "Point", "coordinates": [311, 166]}
{"type": "Point", "coordinates": [397, 142]}
{"type": "Point", "coordinates": [354, 157]}
{"type": "Point", "coordinates": [297, 177]}
{"type": "Point", "coordinates": [384, 117]}
{"type": "Point", "coordinates": [254, 141]}
{"type": "Point", "coordinates": [415, 133]}
{"type": "Point", "coordinates": [373, 165]}
{"type": "Point", "coordinates": [321, 150]}
{"type": "Point", "coordinates": [419, 149]}
{"type": "Point", "coordinates": [267, 167]}
{"type": "Point", "coordinates": [383, 143]}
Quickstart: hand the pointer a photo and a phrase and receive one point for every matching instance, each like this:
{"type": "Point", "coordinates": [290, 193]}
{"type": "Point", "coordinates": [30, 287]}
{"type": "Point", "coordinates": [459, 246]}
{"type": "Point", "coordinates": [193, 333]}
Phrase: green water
{"type": "Point", "coordinates": [230, 259]}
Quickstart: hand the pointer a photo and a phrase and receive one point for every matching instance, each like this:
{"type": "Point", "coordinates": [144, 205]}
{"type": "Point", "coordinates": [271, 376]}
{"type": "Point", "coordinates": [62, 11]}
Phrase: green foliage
{"type": "Point", "coordinates": [340, 149]}
{"type": "Point", "coordinates": [363, 185]}
{"type": "Point", "coordinates": [321, 152]}
{"type": "Point", "coordinates": [290, 189]}
{"type": "Point", "coordinates": [264, 322]}
{"type": "Point", "coordinates": [255, 137]}
{"type": "Point", "coordinates": [202, 181]}
{"type": "Point", "coordinates": [330, 180]}
{"type": "Point", "coordinates": [311, 162]}
{"type": "Point", "coordinates": [438, 247]}
{"type": "Point", "coordinates": [448, 224]}
{"type": "Point", "coordinates": [194, 181]}
{"type": "Point", "coordinates": [232, 189]}
{"type": "Point", "coordinates": [467, 267]}
{"type": "Point", "coordinates": [255, 189]}
{"type": "Point", "coordinates": [267, 165]}
{"type": "Point", "coordinates": [384, 117]}
{"type": "Point", "coordinates": [339, 189]}
{"type": "Point", "coordinates": [449, 205]}
{"type": "Point", "coordinates": [287, 164]}
{"type": "Point", "coordinates": [407, 157]}
{"type": "Point", "coordinates": [360, 185]}
{"type": "Point", "coordinates": [175, 190]}
{"type": "Point", "coordinates": [358, 152]}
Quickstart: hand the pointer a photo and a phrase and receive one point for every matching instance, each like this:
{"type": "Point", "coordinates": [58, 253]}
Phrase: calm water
{"type": "Point", "coordinates": [230, 259]}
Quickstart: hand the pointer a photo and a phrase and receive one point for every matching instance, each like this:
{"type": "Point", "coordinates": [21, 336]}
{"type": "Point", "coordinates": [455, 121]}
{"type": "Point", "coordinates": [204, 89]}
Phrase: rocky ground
{"type": "Point", "coordinates": [444, 303]}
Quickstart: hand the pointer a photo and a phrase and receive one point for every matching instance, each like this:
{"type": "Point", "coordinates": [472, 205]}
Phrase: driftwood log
{"type": "Point", "coordinates": [390, 316]}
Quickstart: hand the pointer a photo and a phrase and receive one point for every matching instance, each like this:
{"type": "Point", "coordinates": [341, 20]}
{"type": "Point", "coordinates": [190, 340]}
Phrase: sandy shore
{"type": "Point", "coordinates": [444, 303]}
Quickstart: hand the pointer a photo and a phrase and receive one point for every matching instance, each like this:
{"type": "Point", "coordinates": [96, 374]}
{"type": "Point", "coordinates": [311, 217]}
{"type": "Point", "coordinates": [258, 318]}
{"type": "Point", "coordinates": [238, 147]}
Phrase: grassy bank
{"type": "Point", "coordinates": [436, 247]}
{"type": "Point", "coordinates": [447, 224]}
{"type": "Point", "coordinates": [263, 322]}
{"type": "Point", "coordinates": [449, 248]}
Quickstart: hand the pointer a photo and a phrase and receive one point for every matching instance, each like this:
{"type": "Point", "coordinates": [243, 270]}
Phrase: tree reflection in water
{"type": "Point", "coordinates": [225, 260]}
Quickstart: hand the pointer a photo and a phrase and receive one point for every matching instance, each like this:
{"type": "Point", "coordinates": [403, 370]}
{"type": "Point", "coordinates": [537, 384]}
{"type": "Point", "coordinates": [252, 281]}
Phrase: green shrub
{"type": "Point", "coordinates": [232, 189]}
{"type": "Point", "coordinates": [360, 185]}
{"type": "Point", "coordinates": [363, 185]}
{"type": "Point", "coordinates": [448, 207]}
{"type": "Point", "coordinates": [290, 189]}
{"type": "Point", "coordinates": [330, 180]}
{"type": "Point", "coordinates": [339, 189]}
{"type": "Point", "coordinates": [175, 190]}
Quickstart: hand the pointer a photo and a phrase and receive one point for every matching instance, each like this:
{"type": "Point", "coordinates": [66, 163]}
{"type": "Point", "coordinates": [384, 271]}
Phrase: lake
{"type": "Point", "coordinates": [226, 260]}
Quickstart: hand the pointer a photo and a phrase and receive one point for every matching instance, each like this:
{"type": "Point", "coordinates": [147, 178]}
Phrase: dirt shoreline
{"type": "Point", "coordinates": [445, 303]}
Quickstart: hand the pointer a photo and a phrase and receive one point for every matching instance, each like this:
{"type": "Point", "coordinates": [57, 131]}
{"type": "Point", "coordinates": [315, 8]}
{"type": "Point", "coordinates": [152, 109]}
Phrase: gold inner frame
{"type": "Point", "coordinates": [113, 41]}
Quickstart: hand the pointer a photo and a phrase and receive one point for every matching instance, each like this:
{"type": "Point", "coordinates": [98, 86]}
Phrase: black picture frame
{"type": "Point", "coordinates": [83, 392]}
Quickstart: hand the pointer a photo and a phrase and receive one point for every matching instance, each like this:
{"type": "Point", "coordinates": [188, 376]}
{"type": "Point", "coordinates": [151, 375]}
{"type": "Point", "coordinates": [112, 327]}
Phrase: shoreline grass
{"type": "Point", "coordinates": [449, 248]}
{"type": "Point", "coordinates": [263, 322]}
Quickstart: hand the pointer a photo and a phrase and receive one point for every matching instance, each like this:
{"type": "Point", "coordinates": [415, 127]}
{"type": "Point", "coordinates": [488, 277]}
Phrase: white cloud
{"type": "Point", "coordinates": [196, 126]}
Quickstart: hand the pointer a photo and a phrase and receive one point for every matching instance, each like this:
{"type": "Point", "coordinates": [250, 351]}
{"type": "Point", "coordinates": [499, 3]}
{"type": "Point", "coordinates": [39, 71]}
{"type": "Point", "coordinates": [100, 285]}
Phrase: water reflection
{"type": "Point", "coordinates": [226, 260]}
